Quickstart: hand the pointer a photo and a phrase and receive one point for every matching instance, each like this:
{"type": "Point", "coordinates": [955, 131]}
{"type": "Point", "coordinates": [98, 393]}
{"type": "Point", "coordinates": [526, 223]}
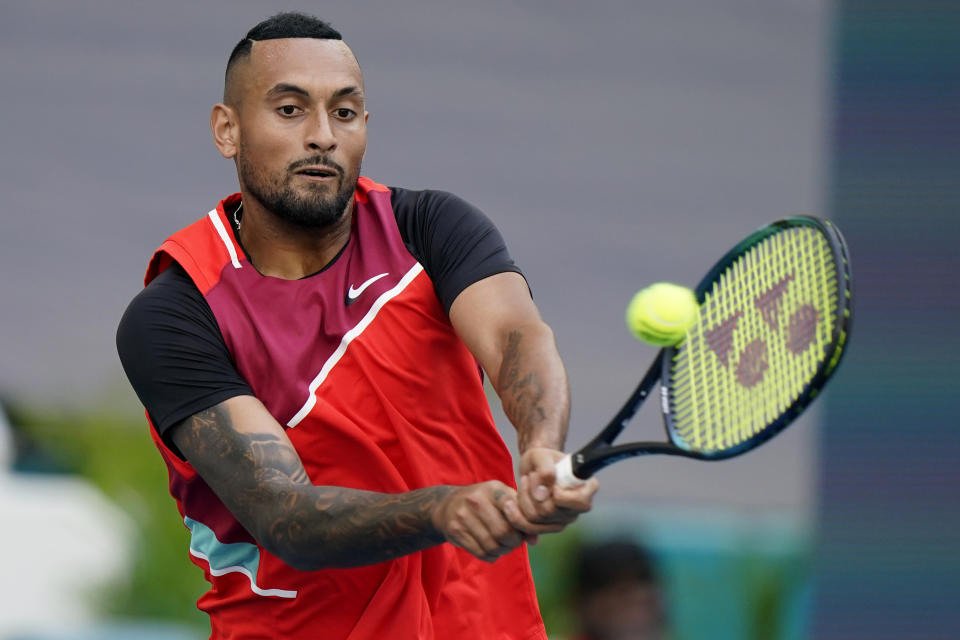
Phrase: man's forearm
{"type": "Point", "coordinates": [260, 478]}
{"type": "Point", "coordinates": [325, 527]}
{"type": "Point", "coordinates": [532, 386]}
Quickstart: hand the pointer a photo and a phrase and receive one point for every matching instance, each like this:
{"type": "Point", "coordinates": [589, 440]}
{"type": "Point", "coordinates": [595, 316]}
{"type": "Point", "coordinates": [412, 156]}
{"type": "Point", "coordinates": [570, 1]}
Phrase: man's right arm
{"type": "Point", "coordinates": [244, 455]}
{"type": "Point", "coordinates": [176, 360]}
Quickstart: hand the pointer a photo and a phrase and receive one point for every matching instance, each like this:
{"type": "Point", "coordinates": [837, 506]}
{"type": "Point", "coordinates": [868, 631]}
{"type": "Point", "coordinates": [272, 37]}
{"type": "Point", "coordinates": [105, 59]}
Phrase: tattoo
{"type": "Point", "coordinates": [261, 479]}
{"type": "Point", "coordinates": [362, 527]}
{"type": "Point", "coordinates": [521, 393]}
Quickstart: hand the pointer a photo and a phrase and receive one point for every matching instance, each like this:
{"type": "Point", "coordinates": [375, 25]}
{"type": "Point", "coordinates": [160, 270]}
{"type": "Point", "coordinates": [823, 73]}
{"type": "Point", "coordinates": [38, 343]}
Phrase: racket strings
{"type": "Point", "coordinates": [764, 330]}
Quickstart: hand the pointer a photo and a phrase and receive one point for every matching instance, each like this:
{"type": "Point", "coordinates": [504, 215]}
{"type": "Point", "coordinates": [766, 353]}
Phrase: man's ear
{"type": "Point", "coordinates": [225, 127]}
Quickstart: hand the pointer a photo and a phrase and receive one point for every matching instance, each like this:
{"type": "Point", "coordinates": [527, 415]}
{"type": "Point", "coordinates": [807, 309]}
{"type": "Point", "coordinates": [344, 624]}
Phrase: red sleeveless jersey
{"type": "Point", "coordinates": [377, 392]}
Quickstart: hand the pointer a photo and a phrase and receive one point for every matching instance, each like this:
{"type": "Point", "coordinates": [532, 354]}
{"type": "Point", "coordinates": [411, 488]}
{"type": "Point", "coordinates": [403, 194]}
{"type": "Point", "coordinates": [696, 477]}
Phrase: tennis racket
{"type": "Point", "coordinates": [775, 316]}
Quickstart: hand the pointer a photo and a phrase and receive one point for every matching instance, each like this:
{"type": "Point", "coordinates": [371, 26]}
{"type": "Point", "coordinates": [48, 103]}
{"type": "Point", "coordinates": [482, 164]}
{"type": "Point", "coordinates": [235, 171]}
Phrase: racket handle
{"type": "Point", "coordinates": [564, 472]}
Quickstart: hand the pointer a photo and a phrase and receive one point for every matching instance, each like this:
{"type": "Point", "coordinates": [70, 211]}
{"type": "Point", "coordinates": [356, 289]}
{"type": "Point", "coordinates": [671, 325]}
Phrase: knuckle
{"type": "Point", "coordinates": [505, 534]}
{"type": "Point", "coordinates": [530, 513]}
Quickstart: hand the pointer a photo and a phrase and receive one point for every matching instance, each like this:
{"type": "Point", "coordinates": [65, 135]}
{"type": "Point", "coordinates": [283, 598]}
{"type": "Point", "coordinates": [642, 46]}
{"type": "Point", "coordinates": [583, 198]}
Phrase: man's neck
{"type": "Point", "coordinates": [280, 249]}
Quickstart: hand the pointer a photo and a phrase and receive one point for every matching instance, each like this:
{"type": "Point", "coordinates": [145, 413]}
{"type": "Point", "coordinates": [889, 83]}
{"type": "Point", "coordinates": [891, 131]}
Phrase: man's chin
{"type": "Point", "coordinates": [310, 184]}
{"type": "Point", "coordinates": [315, 214]}
{"type": "Point", "coordinates": [320, 192]}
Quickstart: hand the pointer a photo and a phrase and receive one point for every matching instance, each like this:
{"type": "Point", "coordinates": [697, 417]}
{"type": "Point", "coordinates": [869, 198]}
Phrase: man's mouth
{"type": "Point", "coordinates": [317, 172]}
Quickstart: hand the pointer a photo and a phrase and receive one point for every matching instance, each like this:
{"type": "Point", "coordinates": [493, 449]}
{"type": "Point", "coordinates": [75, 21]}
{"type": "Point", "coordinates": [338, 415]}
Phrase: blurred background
{"type": "Point", "coordinates": [615, 144]}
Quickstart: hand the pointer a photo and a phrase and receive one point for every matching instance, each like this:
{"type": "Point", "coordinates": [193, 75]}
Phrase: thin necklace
{"type": "Point", "coordinates": [236, 217]}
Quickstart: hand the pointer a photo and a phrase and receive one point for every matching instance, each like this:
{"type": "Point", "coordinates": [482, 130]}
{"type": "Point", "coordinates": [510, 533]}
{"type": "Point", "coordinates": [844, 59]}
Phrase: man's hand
{"type": "Point", "coordinates": [485, 520]}
{"type": "Point", "coordinates": [544, 502]}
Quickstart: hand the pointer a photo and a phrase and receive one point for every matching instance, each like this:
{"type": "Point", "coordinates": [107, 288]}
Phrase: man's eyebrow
{"type": "Point", "coordinates": [348, 91]}
{"type": "Point", "coordinates": [282, 88]}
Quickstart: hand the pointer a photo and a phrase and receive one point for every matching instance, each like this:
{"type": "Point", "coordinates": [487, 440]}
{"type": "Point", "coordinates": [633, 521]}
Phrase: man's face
{"type": "Point", "coordinates": [302, 128]}
{"type": "Point", "coordinates": [625, 610]}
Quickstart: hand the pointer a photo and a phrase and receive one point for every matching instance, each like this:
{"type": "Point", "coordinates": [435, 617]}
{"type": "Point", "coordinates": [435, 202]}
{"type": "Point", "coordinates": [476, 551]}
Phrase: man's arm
{"type": "Point", "coordinates": [500, 324]}
{"type": "Point", "coordinates": [244, 455]}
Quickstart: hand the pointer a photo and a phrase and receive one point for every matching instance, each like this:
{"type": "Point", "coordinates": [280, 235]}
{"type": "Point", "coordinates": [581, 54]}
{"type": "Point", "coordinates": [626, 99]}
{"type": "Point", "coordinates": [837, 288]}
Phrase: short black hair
{"type": "Point", "coordinates": [289, 24]}
{"type": "Point", "coordinates": [604, 564]}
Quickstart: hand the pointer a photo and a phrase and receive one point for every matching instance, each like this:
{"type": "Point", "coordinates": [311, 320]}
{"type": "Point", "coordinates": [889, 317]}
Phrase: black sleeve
{"type": "Point", "coordinates": [173, 352]}
{"type": "Point", "coordinates": [453, 240]}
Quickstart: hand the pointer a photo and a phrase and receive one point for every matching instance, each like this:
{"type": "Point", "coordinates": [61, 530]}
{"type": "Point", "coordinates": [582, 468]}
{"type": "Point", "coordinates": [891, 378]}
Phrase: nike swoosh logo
{"type": "Point", "coordinates": [353, 294]}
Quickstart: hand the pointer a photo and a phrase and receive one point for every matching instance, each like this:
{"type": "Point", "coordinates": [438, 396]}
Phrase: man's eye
{"type": "Point", "coordinates": [344, 114]}
{"type": "Point", "coordinates": [288, 110]}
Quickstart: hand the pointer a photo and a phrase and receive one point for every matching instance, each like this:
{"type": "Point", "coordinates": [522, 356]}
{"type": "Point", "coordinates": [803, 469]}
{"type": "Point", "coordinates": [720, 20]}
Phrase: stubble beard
{"type": "Point", "coordinates": [311, 208]}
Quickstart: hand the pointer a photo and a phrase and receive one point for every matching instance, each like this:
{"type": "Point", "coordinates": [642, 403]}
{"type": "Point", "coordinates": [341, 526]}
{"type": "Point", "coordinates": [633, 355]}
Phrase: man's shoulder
{"type": "Point", "coordinates": [202, 247]}
{"type": "Point", "coordinates": [171, 289]}
{"type": "Point", "coordinates": [425, 201]}
{"type": "Point", "coordinates": [173, 278]}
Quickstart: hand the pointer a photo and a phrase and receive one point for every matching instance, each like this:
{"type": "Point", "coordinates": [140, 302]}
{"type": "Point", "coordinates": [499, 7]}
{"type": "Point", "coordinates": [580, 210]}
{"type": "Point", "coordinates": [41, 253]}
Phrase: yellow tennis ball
{"type": "Point", "coordinates": [662, 313]}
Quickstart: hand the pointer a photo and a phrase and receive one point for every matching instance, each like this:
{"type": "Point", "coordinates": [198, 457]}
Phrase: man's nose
{"type": "Point", "coordinates": [320, 136]}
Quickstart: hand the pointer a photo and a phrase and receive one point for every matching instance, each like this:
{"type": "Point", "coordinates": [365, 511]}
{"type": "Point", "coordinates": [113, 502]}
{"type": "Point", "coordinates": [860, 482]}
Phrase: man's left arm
{"type": "Point", "coordinates": [500, 324]}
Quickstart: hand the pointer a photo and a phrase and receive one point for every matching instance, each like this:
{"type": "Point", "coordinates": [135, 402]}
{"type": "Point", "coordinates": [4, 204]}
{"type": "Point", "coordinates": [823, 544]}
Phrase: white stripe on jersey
{"type": "Point", "coordinates": [348, 337]}
{"type": "Point", "coordinates": [224, 237]}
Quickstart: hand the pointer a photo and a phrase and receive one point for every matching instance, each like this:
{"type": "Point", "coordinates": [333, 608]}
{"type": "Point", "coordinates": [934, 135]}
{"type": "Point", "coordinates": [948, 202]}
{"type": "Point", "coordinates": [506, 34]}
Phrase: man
{"type": "Point", "coordinates": [617, 593]}
{"type": "Point", "coordinates": [307, 354]}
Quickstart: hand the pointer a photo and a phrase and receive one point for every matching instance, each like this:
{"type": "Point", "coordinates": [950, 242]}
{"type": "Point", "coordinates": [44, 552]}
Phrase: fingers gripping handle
{"type": "Point", "coordinates": [564, 472]}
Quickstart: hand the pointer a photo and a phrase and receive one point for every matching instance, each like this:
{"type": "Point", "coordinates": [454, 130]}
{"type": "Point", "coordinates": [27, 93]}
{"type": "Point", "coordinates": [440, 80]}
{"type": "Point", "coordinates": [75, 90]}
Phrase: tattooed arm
{"type": "Point", "coordinates": [499, 323]}
{"type": "Point", "coordinates": [501, 326]}
{"type": "Point", "coordinates": [244, 455]}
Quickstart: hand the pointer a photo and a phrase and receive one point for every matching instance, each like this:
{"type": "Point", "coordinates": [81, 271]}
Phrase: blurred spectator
{"type": "Point", "coordinates": [617, 593]}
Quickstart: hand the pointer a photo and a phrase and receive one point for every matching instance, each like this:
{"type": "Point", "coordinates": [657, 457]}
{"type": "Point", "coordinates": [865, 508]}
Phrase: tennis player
{"type": "Point", "coordinates": [309, 354]}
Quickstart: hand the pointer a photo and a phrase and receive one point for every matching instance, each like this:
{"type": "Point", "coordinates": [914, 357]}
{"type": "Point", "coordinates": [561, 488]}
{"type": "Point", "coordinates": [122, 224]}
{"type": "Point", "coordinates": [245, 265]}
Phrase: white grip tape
{"type": "Point", "coordinates": [564, 472]}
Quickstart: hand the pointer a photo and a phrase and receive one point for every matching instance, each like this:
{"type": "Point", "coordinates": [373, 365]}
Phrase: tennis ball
{"type": "Point", "coordinates": [662, 313]}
